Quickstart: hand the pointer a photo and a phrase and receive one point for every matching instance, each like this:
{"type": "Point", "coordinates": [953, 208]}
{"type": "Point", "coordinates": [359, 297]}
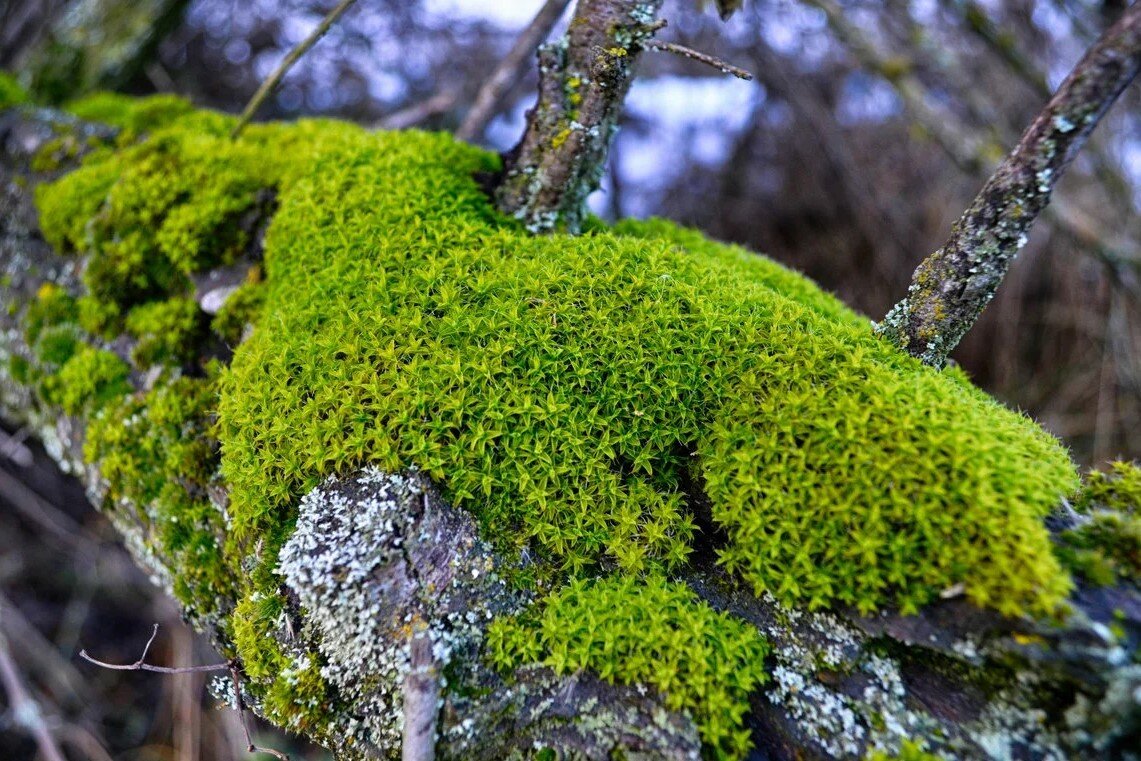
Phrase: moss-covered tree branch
{"type": "Point", "coordinates": [585, 468]}
{"type": "Point", "coordinates": [583, 80]}
{"type": "Point", "coordinates": [951, 287]}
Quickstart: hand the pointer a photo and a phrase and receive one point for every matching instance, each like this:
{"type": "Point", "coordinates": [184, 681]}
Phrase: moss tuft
{"type": "Point", "coordinates": [1105, 548]}
{"type": "Point", "coordinates": [134, 116]}
{"type": "Point", "coordinates": [11, 93]}
{"type": "Point", "coordinates": [652, 632]}
{"type": "Point", "coordinates": [88, 380]}
{"type": "Point", "coordinates": [168, 332]}
{"type": "Point", "coordinates": [157, 451]}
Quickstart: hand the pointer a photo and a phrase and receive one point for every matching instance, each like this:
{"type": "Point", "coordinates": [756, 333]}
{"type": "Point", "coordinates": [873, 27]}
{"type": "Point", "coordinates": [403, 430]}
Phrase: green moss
{"type": "Point", "coordinates": [134, 116]}
{"type": "Point", "coordinates": [168, 332]}
{"type": "Point", "coordinates": [11, 93]}
{"type": "Point", "coordinates": [652, 632]}
{"type": "Point", "coordinates": [157, 451]}
{"type": "Point", "coordinates": [90, 379]}
{"type": "Point", "coordinates": [564, 390]}
{"type": "Point", "coordinates": [1106, 547]}
{"type": "Point", "coordinates": [909, 751]}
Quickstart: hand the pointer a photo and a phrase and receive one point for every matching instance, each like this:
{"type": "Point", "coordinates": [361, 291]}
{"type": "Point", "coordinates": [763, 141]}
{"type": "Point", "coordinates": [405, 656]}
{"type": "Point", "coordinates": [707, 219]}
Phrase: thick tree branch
{"type": "Point", "coordinates": [952, 286]}
{"type": "Point", "coordinates": [583, 80]}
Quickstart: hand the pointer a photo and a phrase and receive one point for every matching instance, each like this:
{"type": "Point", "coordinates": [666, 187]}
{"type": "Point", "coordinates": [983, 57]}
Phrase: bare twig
{"type": "Point", "coordinates": [240, 706]}
{"type": "Point", "coordinates": [488, 98]}
{"type": "Point", "coordinates": [697, 55]}
{"type": "Point", "coordinates": [140, 665]}
{"type": "Point", "coordinates": [25, 709]}
{"type": "Point", "coordinates": [421, 695]}
{"type": "Point", "coordinates": [271, 82]}
{"type": "Point", "coordinates": [952, 286]}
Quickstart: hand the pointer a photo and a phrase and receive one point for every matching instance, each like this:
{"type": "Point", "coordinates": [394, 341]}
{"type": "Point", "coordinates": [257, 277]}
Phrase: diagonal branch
{"type": "Point", "coordinates": [274, 79]}
{"type": "Point", "coordinates": [952, 286]}
{"type": "Point", "coordinates": [507, 73]}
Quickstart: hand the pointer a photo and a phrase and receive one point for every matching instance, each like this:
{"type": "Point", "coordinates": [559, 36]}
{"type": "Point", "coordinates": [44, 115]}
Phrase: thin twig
{"type": "Point", "coordinates": [697, 55]}
{"type": "Point", "coordinates": [25, 709]}
{"type": "Point", "coordinates": [497, 86]}
{"type": "Point", "coordinates": [240, 706]}
{"type": "Point", "coordinates": [271, 83]}
{"type": "Point", "coordinates": [951, 287]}
{"type": "Point", "coordinates": [139, 665]}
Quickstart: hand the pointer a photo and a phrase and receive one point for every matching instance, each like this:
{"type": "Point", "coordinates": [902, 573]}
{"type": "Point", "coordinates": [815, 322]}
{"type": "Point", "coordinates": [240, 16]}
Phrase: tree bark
{"type": "Point", "coordinates": [842, 685]}
{"type": "Point", "coordinates": [583, 80]}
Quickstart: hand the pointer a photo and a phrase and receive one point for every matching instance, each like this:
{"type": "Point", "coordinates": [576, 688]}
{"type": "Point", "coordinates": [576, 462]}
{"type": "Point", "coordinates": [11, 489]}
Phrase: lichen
{"type": "Point", "coordinates": [652, 632]}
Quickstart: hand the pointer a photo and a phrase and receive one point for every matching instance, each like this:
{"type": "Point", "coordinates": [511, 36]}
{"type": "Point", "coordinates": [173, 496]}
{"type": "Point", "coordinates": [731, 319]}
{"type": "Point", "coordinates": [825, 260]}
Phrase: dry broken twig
{"type": "Point", "coordinates": [231, 666]}
{"type": "Point", "coordinates": [697, 55]}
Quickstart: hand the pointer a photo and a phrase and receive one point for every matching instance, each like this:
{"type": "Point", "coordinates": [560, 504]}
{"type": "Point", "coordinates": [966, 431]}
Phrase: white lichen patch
{"type": "Point", "coordinates": [364, 563]}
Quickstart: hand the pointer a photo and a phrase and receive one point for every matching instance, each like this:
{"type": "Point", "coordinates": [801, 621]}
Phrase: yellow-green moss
{"type": "Point", "coordinates": [88, 380]}
{"type": "Point", "coordinates": [1106, 547]}
{"type": "Point", "coordinates": [653, 632]}
{"type": "Point", "coordinates": [564, 390]}
{"type": "Point", "coordinates": [169, 331]}
{"type": "Point", "coordinates": [157, 451]}
{"type": "Point", "coordinates": [11, 93]}
{"type": "Point", "coordinates": [134, 116]}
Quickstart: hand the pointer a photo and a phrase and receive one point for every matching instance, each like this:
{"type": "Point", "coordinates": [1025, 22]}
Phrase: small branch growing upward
{"type": "Point", "coordinates": [951, 287]}
{"type": "Point", "coordinates": [274, 79]}
{"type": "Point", "coordinates": [583, 80]}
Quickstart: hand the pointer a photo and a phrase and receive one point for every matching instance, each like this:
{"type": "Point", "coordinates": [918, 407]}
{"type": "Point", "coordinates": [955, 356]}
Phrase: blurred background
{"type": "Point", "coordinates": [868, 129]}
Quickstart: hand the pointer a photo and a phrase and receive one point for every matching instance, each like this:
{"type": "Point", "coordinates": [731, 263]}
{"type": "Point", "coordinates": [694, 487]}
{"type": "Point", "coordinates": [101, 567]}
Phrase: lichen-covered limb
{"type": "Point", "coordinates": [375, 557]}
{"type": "Point", "coordinates": [583, 80]}
{"type": "Point", "coordinates": [951, 287]}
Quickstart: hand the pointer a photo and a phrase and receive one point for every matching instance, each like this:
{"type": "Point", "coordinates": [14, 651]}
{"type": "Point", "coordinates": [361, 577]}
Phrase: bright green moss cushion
{"type": "Point", "coordinates": [563, 388]}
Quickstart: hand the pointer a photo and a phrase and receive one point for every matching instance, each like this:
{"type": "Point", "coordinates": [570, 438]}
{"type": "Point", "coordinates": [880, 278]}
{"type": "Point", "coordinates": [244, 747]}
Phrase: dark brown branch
{"type": "Point", "coordinates": [583, 80]}
{"type": "Point", "coordinates": [274, 79]}
{"type": "Point", "coordinates": [496, 87]}
{"type": "Point", "coordinates": [952, 286]}
{"type": "Point", "coordinates": [140, 665]}
{"type": "Point", "coordinates": [697, 55]}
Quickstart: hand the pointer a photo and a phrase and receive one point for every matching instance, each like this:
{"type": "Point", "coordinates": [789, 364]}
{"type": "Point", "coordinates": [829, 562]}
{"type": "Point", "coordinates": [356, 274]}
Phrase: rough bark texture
{"type": "Point", "coordinates": [373, 552]}
{"type": "Point", "coordinates": [951, 287]}
{"type": "Point", "coordinates": [583, 80]}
